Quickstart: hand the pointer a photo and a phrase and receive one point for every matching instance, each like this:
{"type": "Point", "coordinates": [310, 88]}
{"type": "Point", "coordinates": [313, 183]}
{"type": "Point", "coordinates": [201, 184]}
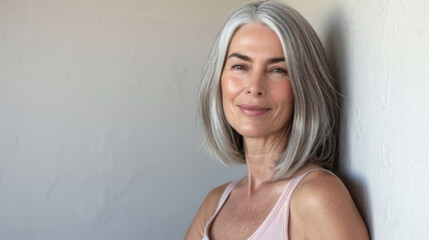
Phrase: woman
{"type": "Point", "coordinates": [268, 100]}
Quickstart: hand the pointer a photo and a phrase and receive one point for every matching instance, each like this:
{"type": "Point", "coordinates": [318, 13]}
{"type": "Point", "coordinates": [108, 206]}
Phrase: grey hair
{"type": "Point", "coordinates": [312, 136]}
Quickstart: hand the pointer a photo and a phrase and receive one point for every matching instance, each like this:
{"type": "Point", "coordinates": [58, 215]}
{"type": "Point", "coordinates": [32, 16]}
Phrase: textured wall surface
{"type": "Point", "coordinates": [98, 137]}
{"type": "Point", "coordinates": [381, 53]}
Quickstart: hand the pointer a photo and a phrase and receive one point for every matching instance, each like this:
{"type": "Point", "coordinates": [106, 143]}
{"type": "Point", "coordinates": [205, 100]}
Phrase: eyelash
{"type": "Point", "coordinates": [279, 70]}
{"type": "Point", "coordinates": [275, 70]}
{"type": "Point", "coordinates": [239, 67]}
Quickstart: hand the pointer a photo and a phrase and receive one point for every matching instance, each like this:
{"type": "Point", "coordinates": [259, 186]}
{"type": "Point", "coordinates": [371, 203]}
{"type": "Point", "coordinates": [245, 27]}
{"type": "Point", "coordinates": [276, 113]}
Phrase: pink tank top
{"type": "Point", "coordinates": [275, 225]}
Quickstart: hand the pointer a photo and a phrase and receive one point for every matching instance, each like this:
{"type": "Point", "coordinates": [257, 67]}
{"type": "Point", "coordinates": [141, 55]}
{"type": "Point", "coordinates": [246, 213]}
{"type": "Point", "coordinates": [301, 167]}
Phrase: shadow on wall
{"type": "Point", "coordinates": [337, 50]}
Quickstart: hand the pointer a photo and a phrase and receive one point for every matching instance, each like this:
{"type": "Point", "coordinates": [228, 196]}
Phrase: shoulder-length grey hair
{"type": "Point", "coordinates": [312, 137]}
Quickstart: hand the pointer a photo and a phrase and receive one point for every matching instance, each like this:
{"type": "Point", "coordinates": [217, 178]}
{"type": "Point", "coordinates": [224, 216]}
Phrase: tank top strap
{"type": "Point", "coordinates": [294, 182]}
{"type": "Point", "coordinates": [222, 201]}
{"type": "Point", "coordinates": [225, 194]}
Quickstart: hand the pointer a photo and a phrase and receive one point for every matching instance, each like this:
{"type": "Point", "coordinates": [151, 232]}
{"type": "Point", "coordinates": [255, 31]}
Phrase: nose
{"type": "Point", "coordinates": [255, 85]}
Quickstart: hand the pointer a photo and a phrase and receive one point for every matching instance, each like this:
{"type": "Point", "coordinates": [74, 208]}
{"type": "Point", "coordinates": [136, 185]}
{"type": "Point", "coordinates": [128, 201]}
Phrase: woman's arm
{"type": "Point", "coordinates": [322, 208]}
{"type": "Point", "coordinates": [206, 211]}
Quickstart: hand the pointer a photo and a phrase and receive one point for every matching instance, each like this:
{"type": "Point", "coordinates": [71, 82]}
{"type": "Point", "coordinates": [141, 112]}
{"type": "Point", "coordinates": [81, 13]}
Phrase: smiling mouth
{"type": "Point", "coordinates": [252, 110]}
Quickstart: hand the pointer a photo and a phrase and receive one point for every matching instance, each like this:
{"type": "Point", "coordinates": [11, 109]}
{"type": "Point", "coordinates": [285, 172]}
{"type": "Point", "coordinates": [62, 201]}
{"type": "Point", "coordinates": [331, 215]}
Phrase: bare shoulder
{"type": "Point", "coordinates": [320, 186]}
{"type": "Point", "coordinates": [214, 196]}
{"type": "Point", "coordinates": [205, 212]}
{"type": "Point", "coordinates": [323, 206]}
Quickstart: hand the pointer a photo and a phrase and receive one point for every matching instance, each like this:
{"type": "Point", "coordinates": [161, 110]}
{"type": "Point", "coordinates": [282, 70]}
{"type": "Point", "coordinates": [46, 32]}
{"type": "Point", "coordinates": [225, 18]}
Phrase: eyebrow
{"type": "Point", "coordinates": [247, 58]}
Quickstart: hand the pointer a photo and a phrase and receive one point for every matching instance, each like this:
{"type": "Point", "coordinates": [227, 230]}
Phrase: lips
{"type": "Point", "coordinates": [253, 110]}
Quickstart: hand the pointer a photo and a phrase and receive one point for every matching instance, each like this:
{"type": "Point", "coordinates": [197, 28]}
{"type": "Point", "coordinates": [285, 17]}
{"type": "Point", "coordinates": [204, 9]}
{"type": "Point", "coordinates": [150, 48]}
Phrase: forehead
{"type": "Point", "coordinates": [255, 38]}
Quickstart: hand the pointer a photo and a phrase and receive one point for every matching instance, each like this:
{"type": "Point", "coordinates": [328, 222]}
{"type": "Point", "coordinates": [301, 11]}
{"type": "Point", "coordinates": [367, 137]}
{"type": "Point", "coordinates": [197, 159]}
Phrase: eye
{"type": "Point", "coordinates": [279, 70]}
{"type": "Point", "coordinates": [238, 67]}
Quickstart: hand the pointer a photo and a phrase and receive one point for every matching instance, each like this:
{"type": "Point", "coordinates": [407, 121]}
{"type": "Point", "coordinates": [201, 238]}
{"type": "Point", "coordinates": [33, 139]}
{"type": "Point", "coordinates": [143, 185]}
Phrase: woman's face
{"type": "Point", "coordinates": [256, 92]}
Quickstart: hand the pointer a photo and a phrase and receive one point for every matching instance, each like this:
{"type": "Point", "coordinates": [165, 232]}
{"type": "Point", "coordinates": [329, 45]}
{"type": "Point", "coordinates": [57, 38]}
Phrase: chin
{"type": "Point", "coordinates": [252, 132]}
{"type": "Point", "coordinates": [260, 131]}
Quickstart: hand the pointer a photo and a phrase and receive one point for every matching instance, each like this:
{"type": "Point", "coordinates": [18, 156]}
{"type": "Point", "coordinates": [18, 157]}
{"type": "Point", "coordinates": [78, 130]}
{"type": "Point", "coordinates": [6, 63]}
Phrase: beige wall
{"type": "Point", "coordinates": [98, 138]}
{"type": "Point", "coordinates": [380, 51]}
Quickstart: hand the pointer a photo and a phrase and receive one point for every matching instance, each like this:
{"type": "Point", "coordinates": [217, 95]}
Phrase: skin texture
{"type": "Point", "coordinates": [321, 207]}
{"type": "Point", "coordinates": [255, 74]}
{"type": "Point", "coordinates": [207, 208]}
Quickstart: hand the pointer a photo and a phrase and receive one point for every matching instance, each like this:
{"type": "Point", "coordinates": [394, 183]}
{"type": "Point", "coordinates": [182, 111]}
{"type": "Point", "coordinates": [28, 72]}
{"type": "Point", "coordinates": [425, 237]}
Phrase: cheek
{"type": "Point", "coordinates": [231, 87]}
{"type": "Point", "coordinates": [282, 91]}
{"type": "Point", "coordinates": [283, 96]}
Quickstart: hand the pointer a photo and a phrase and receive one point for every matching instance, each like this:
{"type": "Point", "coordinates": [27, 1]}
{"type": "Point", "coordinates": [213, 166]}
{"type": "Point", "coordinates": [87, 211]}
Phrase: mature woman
{"type": "Point", "coordinates": [268, 100]}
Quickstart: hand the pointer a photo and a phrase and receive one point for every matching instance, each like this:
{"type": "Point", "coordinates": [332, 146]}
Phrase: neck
{"type": "Point", "coordinates": [261, 157]}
